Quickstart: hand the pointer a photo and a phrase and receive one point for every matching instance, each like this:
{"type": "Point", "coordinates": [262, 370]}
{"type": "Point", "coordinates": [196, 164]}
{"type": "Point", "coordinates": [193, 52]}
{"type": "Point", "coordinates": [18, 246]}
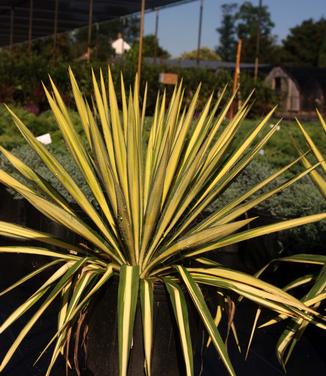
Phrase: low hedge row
{"type": "Point", "coordinates": [21, 77]}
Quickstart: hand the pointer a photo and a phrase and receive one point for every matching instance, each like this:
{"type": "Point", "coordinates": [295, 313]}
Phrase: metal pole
{"type": "Point", "coordinates": [199, 29]}
{"type": "Point", "coordinates": [55, 27]}
{"type": "Point", "coordinates": [11, 37]}
{"type": "Point", "coordinates": [156, 34]}
{"type": "Point", "coordinates": [30, 26]}
{"type": "Point", "coordinates": [258, 41]}
{"type": "Point", "coordinates": [141, 34]}
{"type": "Point", "coordinates": [90, 21]}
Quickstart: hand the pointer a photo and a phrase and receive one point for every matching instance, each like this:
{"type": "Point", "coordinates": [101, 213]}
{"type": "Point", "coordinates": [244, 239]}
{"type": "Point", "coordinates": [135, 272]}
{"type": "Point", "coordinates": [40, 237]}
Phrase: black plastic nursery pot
{"type": "Point", "coordinates": [167, 357]}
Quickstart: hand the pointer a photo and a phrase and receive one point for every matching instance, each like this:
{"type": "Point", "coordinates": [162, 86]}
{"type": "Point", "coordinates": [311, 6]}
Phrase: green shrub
{"type": "Point", "coordinates": [297, 200]}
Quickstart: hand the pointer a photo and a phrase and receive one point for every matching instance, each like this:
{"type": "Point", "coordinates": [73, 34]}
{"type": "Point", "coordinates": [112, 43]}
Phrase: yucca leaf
{"type": "Point", "coordinates": [78, 150]}
{"type": "Point", "coordinates": [298, 282]}
{"type": "Point", "coordinates": [50, 298]}
{"type": "Point", "coordinates": [259, 231]}
{"type": "Point", "coordinates": [199, 302]}
{"type": "Point", "coordinates": [193, 241]}
{"type": "Point", "coordinates": [105, 123]}
{"type": "Point", "coordinates": [127, 302]}
{"type": "Point", "coordinates": [306, 258]}
{"type": "Point", "coordinates": [181, 315]}
{"type": "Point", "coordinates": [318, 179]}
{"type": "Point", "coordinates": [107, 274]}
{"type": "Point", "coordinates": [69, 184]}
{"type": "Point", "coordinates": [254, 326]}
{"type": "Point", "coordinates": [296, 328]}
{"type": "Point", "coordinates": [80, 104]}
{"type": "Point", "coordinates": [78, 289]}
{"type": "Point", "coordinates": [68, 320]}
{"type": "Point", "coordinates": [238, 277]}
{"type": "Point", "coordinates": [12, 230]}
{"type": "Point", "coordinates": [240, 151]}
{"type": "Point", "coordinates": [322, 120]}
{"type": "Point", "coordinates": [202, 127]}
{"type": "Point", "coordinates": [149, 156]}
{"type": "Point", "coordinates": [178, 146]}
{"type": "Point", "coordinates": [103, 163]}
{"type": "Point", "coordinates": [146, 298]}
{"type": "Point", "coordinates": [309, 303]}
{"type": "Point", "coordinates": [313, 146]}
{"type": "Point", "coordinates": [266, 299]}
{"type": "Point", "coordinates": [65, 295]}
{"type": "Point", "coordinates": [196, 211]}
{"type": "Point", "coordinates": [237, 211]}
{"type": "Point", "coordinates": [134, 183]}
{"type": "Point", "coordinates": [234, 203]}
{"type": "Point", "coordinates": [143, 111]}
{"type": "Point", "coordinates": [303, 258]}
{"type": "Point", "coordinates": [153, 209]}
{"type": "Point", "coordinates": [38, 251]}
{"type": "Point", "coordinates": [59, 215]}
{"type": "Point", "coordinates": [170, 215]}
{"type": "Point", "coordinates": [218, 315]}
{"type": "Point", "coordinates": [35, 297]}
{"type": "Point", "coordinates": [119, 145]}
{"type": "Point", "coordinates": [124, 105]}
{"type": "Point", "coordinates": [29, 276]}
{"type": "Point", "coordinates": [41, 183]}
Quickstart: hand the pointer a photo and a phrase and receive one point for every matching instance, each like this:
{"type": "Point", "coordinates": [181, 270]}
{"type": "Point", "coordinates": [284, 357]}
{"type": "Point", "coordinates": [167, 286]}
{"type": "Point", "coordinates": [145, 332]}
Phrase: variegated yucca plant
{"type": "Point", "coordinates": [147, 223]}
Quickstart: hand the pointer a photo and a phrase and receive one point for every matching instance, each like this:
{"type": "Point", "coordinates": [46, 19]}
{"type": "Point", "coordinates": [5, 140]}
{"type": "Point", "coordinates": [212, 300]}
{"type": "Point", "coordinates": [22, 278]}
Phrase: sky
{"type": "Point", "coordinates": [178, 25]}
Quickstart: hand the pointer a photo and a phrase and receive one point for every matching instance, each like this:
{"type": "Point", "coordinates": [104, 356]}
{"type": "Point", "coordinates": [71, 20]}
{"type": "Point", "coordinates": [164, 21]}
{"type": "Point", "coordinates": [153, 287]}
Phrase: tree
{"type": "Point", "coordinates": [306, 44]}
{"type": "Point", "coordinates": [226, 48]}
{"type": "Point", "coordinates": [205, 53]}
{"type": "Point", "coordinates": [252, 19]}
{"type": "Point", "coordinates": [150, 43]}
{"type": "Point", "coordinates": [322, 54]}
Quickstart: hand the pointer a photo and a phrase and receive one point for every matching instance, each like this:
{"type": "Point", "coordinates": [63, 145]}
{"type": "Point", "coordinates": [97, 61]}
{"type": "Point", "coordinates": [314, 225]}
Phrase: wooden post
{"type": "Point", "coordinates": [12, 18]}
{"type": "Point", "coordinates": [90, 22]}
{"type": "Point", "coordinates": [30, 26]}
{"type": "Point", "coordinates": [55, 27]}
{"type": "Point", "coordinates": [141, 34]}
{"type": "Point", "coordinates": [236, 75]}
{"type": "Point", "coordinates": [199, 30]}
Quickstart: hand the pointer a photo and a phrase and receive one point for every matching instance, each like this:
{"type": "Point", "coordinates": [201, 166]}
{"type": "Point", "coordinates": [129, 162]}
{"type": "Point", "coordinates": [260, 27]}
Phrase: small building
{"type": "Point", "coordinates": [301, 89]}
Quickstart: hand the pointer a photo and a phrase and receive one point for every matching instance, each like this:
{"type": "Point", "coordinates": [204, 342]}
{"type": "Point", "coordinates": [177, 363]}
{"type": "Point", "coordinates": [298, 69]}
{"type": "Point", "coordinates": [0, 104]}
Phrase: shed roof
{"type": "Point", "coordinates": [72, 14]}
{"type": "Point", "coordinates": [205, 64]}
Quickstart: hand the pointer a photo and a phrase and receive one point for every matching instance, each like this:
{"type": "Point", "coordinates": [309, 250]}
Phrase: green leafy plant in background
{"type": "Point", "coordinates": [147, 222]}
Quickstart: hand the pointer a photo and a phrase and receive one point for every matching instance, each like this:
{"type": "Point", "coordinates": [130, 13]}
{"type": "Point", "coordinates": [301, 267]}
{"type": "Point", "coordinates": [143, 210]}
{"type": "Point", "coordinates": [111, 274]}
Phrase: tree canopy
{"type": "Point", "coordinates": [226, 48]}
{"type": "Point", "coordinates": [205, 53]}
{"type": "Point", "coordinates": [245, 22]}
{"type": "Point", "coordinates": [306, 44]}
{"type": "Point", "coordinates": [251, 20]}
